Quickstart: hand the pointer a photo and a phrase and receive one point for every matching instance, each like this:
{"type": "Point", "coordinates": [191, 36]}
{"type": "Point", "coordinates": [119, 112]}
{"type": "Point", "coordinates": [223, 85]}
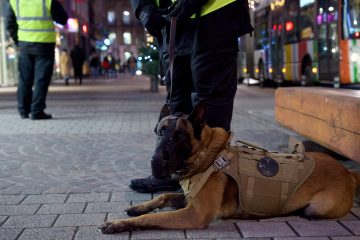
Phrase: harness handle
{"type": "Point", "coordinates": [238, 142]}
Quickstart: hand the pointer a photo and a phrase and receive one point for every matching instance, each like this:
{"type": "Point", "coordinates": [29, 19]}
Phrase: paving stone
{"type": "Point", "coordinates": [29, 221]}
{"type": "Point", "coordinates": [283, 219]}
{"type": "Point", "coordinates": [61, 208]}
{"type": "Point", "coordinates": [70, 220]}
{"type": "Point", "coordinates": [48, 234]}
{"type": "Point", "coordinates": [158, 234]}
{"type": "Point", "coordinates": [89, 197]}
{"type": "Point", "coordinates": [301, 238]}
{"type": "Point", "coordinates": [346, 238]}
{"type": "Point", "coordinates": [18, 209]}
{"type": "Point", "coordinates": [319, 228]}
{"type": "Point", "coordinates": [106, 207]}
{"type": "Point", "coordinates": [13, 190]}
{"type": "Point", "coordinates": [356, 212]}
{"type": "Point", "coordinates": [129, 196]}
{"type": "Point", "coordinates": [2, 219]}
{"type": "Point", "coordinates": [215, 230]}
{"type": "Point", "coordinates": [92, 233]}
{"type": "Point", "coordinates": [46, 198]}
{"type": "Point", "coordinates": [353, 226]}
{"type": "Point", "coordinates": [265, 229]}
{"type": "Point", "coordinates": [11, 199]}
{"type": "Point", "coordinates": [9, 233]}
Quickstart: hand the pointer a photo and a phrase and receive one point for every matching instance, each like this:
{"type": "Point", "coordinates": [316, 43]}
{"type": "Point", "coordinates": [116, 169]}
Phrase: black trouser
{"type": "Point", "coordinates": [209, 73]}
{"type": "Point", "coordinates": [33, 70]}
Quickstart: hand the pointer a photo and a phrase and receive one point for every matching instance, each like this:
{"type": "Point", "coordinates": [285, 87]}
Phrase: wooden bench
{"type": "Point", "coordinates": [330, 117]}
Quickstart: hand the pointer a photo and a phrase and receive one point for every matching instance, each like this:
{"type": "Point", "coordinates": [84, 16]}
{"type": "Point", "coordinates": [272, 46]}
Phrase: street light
{"type": "Point", "coordinates": [107, 42]}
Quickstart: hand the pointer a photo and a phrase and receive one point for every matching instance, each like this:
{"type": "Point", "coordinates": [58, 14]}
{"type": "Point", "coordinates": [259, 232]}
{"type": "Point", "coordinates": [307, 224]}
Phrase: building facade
{"type": "Point", "coordinates": [117, 26]}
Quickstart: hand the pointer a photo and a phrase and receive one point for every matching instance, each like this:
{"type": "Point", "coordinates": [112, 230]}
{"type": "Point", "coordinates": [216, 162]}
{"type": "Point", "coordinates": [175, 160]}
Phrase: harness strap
{"type": "Point", "coordinates": [200, 179]}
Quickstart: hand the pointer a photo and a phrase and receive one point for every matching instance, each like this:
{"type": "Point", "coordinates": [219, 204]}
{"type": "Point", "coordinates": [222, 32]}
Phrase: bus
{"type": "Point", "coordinates": [308, 41]}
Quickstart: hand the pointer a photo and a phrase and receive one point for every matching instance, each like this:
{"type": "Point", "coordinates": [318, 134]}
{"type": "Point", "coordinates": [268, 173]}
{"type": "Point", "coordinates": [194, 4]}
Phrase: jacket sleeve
{"type": "Point", "coordinates": [58, 12]}
{"type": "Point", "coordinates": [137, 5]}
{"type": "Point", "coordinates": [11, 24]}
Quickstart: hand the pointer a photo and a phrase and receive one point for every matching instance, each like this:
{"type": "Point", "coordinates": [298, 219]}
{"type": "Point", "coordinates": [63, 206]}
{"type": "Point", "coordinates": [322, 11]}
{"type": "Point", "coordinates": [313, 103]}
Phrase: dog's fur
{"type": "Point", "coordinates": [327, 193]}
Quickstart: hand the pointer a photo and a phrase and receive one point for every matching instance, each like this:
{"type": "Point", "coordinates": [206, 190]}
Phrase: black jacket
{"type": "Point", "coordinates": [58, 14]}
{"type": "Point", "coordinates": [233, 19]}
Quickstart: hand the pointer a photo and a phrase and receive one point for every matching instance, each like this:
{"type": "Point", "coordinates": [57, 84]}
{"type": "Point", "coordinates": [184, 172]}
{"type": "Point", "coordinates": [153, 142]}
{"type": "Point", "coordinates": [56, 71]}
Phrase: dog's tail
{"type": "Point", "coordinates": [356, 178]}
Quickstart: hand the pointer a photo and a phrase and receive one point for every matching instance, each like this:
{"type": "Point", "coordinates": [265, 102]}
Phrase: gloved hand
{"type": "Point", "coordinates": [184, 9]}
{"type": "Point", "coordinates": [152, 20]}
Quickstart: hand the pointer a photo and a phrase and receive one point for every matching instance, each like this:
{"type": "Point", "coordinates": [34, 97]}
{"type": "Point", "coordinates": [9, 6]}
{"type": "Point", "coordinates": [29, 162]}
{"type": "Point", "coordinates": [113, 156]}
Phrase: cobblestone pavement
{"type": "Point", "coordinates": [60, 179]}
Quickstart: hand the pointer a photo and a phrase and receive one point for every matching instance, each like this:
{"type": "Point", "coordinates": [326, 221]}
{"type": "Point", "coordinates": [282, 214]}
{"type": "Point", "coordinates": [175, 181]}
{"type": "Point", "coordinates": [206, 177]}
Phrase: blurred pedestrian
{"type": "Point", "coordinates": [36, 43]}
{"type": "Point", "coordinates": [94, 64]}
{"type": "Point", "coordinates": [132, 63]}
{"type": "Point", "coordinates": [105, 66]}
{"type": "Point", "coordinates": [78, 59]}
{"type": "Point", "coordinates": [65, 66]}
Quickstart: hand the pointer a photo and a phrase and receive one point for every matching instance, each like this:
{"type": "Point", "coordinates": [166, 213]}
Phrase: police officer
{"type": "Point", "coordinates": [31, 25]}
{"type": "Point", "coordinates": [205, 60]}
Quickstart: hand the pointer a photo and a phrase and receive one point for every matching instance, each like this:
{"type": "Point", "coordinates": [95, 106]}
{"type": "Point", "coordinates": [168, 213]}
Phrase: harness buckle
{"type": "Point", "coordinates": [221, 162]}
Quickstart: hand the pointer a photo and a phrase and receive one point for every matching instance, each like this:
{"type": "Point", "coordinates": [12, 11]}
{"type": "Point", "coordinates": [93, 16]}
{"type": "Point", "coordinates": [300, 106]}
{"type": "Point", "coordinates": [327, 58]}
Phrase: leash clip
{"type": "Point", "coordinates": [221, 162]}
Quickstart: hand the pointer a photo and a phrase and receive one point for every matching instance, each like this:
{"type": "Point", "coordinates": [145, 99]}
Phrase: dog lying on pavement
{"type": "Point", "coordinates": [187, 147]}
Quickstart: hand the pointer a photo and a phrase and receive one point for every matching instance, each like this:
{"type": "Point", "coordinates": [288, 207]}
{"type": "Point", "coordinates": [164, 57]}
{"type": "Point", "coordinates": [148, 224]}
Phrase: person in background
{"type": "Point", "coordinates": [132, 63]}
{"type": "Point", "coordinates": [78, 58]}
{"type": "Point", "coordinates": [94, 64]}
{"type": "Point", "coordinates": [36, 44]}
{"type": "Point", "coordinates": [105, 66]}
{"type": "Point", "coordinates": [205, 63]}
{"type": "Point", "coordinates": [65, 66]}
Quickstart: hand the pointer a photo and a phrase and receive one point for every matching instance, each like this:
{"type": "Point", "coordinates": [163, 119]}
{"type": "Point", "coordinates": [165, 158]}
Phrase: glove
{"type": "Point", "coordinates": [184, 9]}
{"type": "Point", "coordinates": [152, 20]}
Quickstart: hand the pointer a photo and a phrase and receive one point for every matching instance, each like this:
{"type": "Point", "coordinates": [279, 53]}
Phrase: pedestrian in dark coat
{"type": "Point", "coordinates": [36, 44]}
{"type": "Point", "coordinates": [78, 59]}
{"type": "Point", "coordinates": [205, 60]}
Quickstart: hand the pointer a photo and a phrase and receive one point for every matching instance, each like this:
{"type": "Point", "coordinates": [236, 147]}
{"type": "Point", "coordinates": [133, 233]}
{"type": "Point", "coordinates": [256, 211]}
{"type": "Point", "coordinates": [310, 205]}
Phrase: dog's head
{"type": "Point", "coordinates": [177, 136]}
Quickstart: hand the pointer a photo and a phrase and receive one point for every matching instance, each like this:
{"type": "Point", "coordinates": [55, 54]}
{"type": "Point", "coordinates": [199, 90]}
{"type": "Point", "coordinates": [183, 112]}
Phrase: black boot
{"type": "Point", "coordinates": [152, 184]}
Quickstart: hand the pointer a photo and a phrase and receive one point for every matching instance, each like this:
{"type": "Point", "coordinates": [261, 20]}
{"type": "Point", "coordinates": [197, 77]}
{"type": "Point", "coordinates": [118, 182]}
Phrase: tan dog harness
{"type": "Point", "coordinates": [265, 179]}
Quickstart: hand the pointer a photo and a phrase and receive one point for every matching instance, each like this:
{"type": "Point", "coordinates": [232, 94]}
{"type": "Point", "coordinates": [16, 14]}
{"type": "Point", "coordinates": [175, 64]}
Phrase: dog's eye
{"type": "Point", "coordinates": [160, 133]}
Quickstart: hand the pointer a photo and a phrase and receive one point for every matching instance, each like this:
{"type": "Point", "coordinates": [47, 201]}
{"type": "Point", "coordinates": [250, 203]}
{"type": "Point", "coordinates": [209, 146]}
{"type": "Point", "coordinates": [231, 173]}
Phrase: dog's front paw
{"type": "Point", "coordinates": [112, 227]}
{"type": "Point", "coordinates": [136, 211]}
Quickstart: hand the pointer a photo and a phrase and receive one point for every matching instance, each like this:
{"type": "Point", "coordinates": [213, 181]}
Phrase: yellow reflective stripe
{"type": "Point", "coordinates": [213, 5]}
{"type": "Point", "coordinates": [40, 37]}
{"type": "Point", "coordinates": [36, 24]}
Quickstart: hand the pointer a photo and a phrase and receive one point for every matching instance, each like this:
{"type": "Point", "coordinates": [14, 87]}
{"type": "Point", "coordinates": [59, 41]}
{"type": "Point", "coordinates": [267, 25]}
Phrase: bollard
{"type": "Point", "coordinates": [154, 85]}
{"type": "Point", "coordinates": [336, 82]}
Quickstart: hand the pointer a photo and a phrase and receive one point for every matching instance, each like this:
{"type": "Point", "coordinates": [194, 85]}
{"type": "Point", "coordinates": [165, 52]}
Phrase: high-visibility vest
{"type": "Point", "coordinates": [210, 6]}
{"type": "Point", "coordinates": [34, 20]}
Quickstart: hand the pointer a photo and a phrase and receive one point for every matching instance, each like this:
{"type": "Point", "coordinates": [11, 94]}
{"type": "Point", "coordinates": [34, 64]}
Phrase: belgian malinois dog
{"type": "Point", "coordinates": [327, 193]}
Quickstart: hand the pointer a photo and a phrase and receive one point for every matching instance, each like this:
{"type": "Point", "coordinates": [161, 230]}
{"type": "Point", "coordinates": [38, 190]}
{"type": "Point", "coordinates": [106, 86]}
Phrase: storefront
{"type": "Point", "coordinates": [8, 56]}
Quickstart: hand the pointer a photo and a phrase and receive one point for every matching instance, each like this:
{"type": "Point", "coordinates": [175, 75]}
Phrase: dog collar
{"type": "Point", "coordinates": [192, 186]}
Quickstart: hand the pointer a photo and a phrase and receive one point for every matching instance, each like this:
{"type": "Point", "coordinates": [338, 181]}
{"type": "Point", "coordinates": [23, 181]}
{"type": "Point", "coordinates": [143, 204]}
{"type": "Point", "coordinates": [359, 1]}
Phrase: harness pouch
{"type": "Point", "coordinates": [265, 179]}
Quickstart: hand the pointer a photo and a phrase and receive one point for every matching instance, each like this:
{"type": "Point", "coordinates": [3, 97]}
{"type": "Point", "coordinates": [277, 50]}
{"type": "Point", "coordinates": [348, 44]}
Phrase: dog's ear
{"type": "Point", "coordinates": [164, 112]}
{"type": "Point", "coordinates": [197, 118]}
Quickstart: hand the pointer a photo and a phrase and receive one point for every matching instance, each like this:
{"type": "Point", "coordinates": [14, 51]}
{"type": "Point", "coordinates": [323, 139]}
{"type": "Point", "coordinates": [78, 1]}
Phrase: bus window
{"type": "Point", "coordinates": [307, 19]}
{"type": "Point", "coordinates": [291, 22]}
{"type": "Point", "coordinates": [261, 30]}
{"type": "Point", "coordinates": [351, 18]}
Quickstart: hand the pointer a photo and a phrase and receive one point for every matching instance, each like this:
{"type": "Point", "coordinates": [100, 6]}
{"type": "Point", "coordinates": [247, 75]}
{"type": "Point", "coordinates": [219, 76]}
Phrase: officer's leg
{"type": "Point", "coordinates": [180, 89]}
{"type": "Point", "coordinates": [26, 81]}
{"type": "Point", "coordinates": [214, 73]}
{"type": "Point", "coordinates": [43, 72]}
{"type": "Point", "coordinates": [180, 101]}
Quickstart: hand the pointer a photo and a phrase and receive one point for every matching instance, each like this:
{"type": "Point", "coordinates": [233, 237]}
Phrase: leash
{"type": "Point", "coordinates": [173, 23]}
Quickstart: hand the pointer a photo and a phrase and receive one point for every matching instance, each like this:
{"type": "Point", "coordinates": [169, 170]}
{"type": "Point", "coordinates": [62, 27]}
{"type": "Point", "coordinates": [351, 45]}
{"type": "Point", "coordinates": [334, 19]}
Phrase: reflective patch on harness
{"type": "Point", "coordinates": [268, 167]}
